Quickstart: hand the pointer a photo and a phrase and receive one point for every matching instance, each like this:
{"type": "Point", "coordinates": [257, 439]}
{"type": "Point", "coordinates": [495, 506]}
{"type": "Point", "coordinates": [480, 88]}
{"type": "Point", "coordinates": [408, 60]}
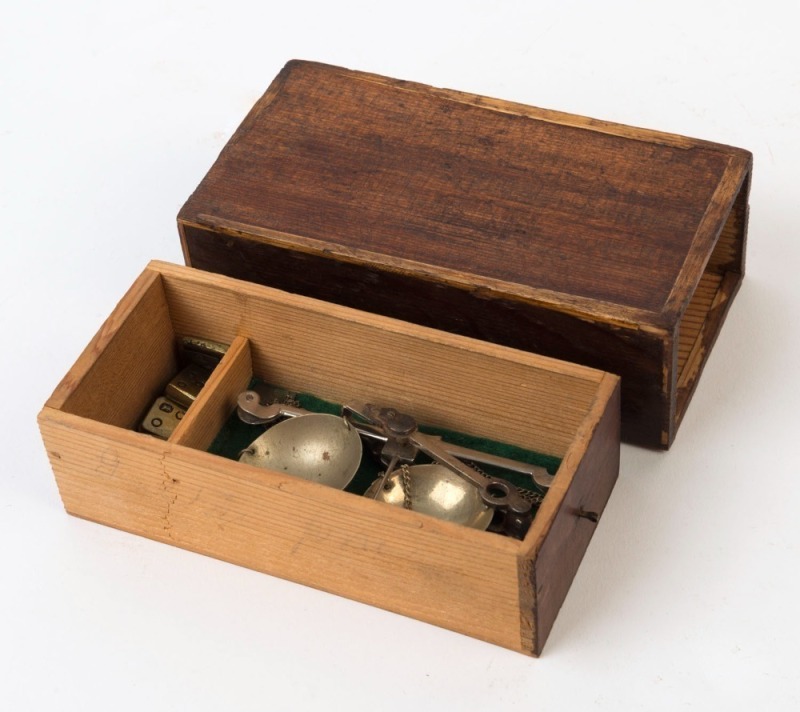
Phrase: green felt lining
{"type": "Point", "coordinates": [235, 436]}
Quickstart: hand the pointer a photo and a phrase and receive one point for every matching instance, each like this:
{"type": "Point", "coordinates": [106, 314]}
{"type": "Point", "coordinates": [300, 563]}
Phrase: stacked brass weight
{"type": "Point", "coordinates": [198, 358]}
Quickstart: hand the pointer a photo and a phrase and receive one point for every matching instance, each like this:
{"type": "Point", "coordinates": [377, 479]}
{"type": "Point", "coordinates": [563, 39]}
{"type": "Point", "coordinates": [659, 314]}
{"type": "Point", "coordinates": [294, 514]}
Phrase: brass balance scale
{"type": "Point", "coordinates": [328, 449]}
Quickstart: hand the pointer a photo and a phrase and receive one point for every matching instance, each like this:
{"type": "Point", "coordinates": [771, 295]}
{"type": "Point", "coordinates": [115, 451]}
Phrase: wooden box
{"type": "Point", "coordinates": [595, 243]}
{"type": "Point", "coordinates": [483, 584]}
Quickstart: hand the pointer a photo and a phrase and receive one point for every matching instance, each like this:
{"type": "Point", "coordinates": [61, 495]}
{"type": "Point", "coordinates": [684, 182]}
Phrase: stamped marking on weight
{"type": "Point", "coordinates": [163, 418]}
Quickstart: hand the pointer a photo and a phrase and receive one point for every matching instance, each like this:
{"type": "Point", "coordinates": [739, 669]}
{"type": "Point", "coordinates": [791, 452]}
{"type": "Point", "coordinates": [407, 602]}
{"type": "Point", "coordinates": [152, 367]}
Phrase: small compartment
{"type": "Point", "coordinates": [133, 358]}
{"type": "Point", "coordinates": [128, 363]}
{"type": "Point", "coordinates": [492, 587]}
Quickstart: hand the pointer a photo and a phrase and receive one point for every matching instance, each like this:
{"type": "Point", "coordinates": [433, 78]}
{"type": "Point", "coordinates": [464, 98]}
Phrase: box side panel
{"type": "Point", "coordinates": [638, 356]}
{"type": "Point", "coordinates": [434, 571]}
{"type": "Point", "coordinates": [700, 323]}
{"type": "Point", "coordinates": [729, 252]}
{"type": "Point", "coordinates": [572, 479]}
{"type": "Point", "coordinates": [560, 549]}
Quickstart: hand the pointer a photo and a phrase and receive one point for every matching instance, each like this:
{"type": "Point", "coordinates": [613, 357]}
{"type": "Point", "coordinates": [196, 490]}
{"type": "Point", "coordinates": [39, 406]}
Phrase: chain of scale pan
{"type": "Point", "coordinates": [405, 480]}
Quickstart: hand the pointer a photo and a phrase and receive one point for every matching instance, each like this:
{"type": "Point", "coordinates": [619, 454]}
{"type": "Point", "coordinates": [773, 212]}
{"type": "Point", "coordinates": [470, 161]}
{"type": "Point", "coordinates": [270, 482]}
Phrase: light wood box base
{"type": "Point", "coordinates": [482, 584]}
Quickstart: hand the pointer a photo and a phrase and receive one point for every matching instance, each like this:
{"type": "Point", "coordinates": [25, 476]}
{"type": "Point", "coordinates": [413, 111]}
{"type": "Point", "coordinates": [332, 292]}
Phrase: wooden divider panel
{"type": "Point", "coordinates": [217, 399]}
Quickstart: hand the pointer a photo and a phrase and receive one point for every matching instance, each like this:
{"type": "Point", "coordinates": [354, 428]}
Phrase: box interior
{"type": "Point", "coordinates": [341, 355]}
{"type": "Point", "coordinates": [333, 352]}
{"type": "Point", "coordinates": [703, 316]}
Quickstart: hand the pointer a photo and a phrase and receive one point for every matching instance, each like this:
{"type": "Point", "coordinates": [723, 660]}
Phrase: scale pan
{"type": "Point", "coordinates": [317, 447]}
{"type": "Point", "coordinates": [438, 492]}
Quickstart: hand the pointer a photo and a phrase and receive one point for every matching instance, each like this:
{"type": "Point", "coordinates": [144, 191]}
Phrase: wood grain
{"type": "Point", "coordinates": [341, 354]}
{"type": "Point", "coordinates": [474, 582]}
{"type": "Point", "coordinates": [414, 174]}
{"type": "Point", "coordinates": [560, 538]}
{"type": "Point", "coordinates": [452, 576]}
{"type": "Point", "coordinates": [716, 216]}
{"type": "Point", "coordinates": [127, 363]}
{"type": "Point", "coordinates": [635, 354]}
{"type": "Point", "coordinates": [703, 338]}
{"type": "Point", "coordinates": [729, 251]}
{"type": "Point", "coordinates": [572, 237]}
{"type": "Point", "coordinates": [695, 316]}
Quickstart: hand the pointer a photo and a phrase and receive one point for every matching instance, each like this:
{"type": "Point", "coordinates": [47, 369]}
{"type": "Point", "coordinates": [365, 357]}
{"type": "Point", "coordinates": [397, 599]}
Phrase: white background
{"type": "Point", "coordinates": [109, 117]}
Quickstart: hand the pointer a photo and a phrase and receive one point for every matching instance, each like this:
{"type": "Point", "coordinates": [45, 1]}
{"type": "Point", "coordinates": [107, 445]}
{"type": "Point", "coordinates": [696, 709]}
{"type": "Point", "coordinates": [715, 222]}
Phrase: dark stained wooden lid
{"type": "Point", "coordinates": [589, 216]}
